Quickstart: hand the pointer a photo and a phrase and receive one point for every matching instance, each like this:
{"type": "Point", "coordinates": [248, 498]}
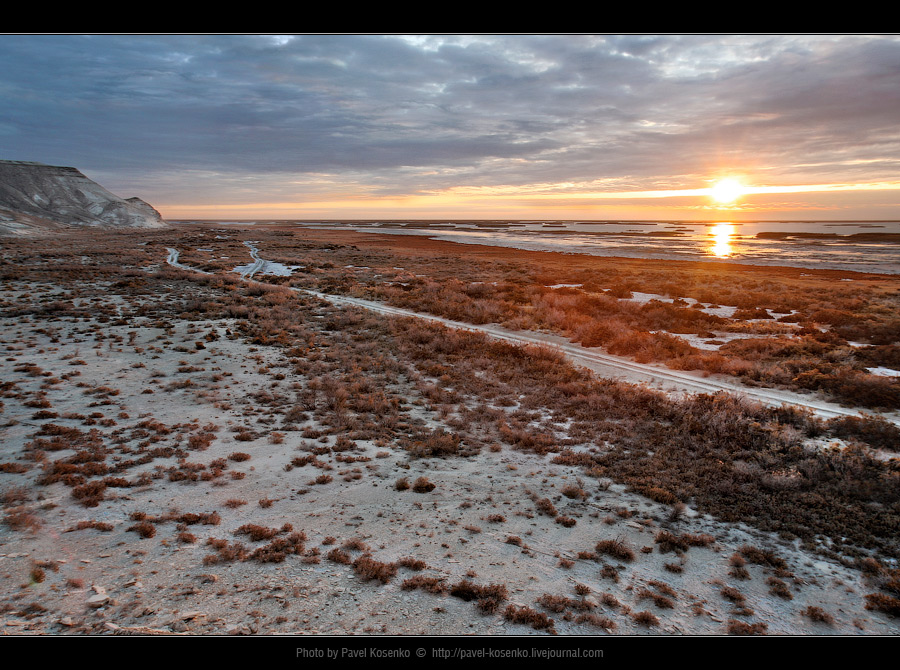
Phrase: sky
{"type": "Point", "coordinates": [468, 127]}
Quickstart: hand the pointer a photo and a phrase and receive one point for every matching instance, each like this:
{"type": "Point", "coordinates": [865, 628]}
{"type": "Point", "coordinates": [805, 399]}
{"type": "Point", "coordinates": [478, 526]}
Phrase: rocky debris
{"type": "Point", "coordinates": [97, 600]}
{"type": "Point", "coordinates": [38, 199]}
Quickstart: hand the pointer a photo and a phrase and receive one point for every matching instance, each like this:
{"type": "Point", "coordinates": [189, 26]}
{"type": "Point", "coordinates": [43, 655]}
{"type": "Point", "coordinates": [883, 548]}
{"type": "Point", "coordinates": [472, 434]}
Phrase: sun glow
{"type": "Point", "coordinates": [721, 239]}
{"type": "Point", "coordinates": [726, 191]}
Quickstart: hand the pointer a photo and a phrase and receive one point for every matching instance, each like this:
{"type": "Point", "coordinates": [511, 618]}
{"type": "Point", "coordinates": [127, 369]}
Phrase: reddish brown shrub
{"type": "Point", "coordinates": [422, 485]}
{"type": "Point", "coordinates": [881, 602]}
{"type": "Point", "coordinates": [529, 617]}
{"type": "Point", "coordinates": [615, 548]}
{"type": "Point", "coordinates": [143, 528]}
{"type": "Point", "coordinates": [736, 627]}
{"type": "Point", "coordinates": [818, 614]}
{"type": "Point", "coordinates": [433, 585]}
{"type": "Point", "coordinates": [368, 569]}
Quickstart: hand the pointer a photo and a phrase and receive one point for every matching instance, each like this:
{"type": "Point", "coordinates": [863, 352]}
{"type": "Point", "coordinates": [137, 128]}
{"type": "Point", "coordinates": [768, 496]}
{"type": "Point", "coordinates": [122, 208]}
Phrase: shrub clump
{"type": "Point", "coordinates": [736, 627]}
{"type": "Point", "coordinates": [422, 485]}
{"type": "Point", "coordinates": [433, 585]}
{"type": "Point", "coordinates": [367, 568]}
{"type": "Point", "coordinates": [818, 614]}
{"type": "Point", "coordinates": [529, 617]}
{"type": "Point", "coordinates": [488, 597]}
{"type": "Point", "coordinates": [615, 548]}
{"type": "Point", "coordinates": [881, 602]}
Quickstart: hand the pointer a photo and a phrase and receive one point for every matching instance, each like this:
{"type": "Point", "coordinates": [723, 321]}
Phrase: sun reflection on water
{"type": "Point", "coordinates": [721, 234]}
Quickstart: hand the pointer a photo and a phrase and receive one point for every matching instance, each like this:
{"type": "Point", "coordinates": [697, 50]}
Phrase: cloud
{"type": "Point", "coordinates": [397, 114]}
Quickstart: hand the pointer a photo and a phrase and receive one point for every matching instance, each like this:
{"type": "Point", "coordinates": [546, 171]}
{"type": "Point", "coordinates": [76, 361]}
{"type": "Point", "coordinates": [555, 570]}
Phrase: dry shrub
{"type": "Point", "coordinates": [411, 563]}
{"type": "Point", "coordinates": [89, 494]}
{"type": "Point", "coordinates": [645, 618]}
{"type": "Point", "coordinates": [438, 443]}
{"type": "Point", "coordinates": [97, 525]}
{"type": "Point", "coordinates": [779, 588]}
{"type": "Point", "coordinates": [529, 617]}
{"type": "Point", "coordinates": [225, 552]}
{"type": "Point", "coordinates": [565, 521]}
{"type": "Point", "coordinates": [402, 484]}
{"type": "Point", "coordinates": [256, 533]}
{"type": "Point", "coordinates": [339, 556]}
{"type": "Point", "coordinates": [239, 456]}
{"type": "Point", "coordinates": [732, 594]}
{"type": "Point", "coordinates": [13, 468]}
{"type": "Point", "coordinates": [597, 621]}
{"type": "Point", "coordinates": [881, 602]}
{"type": "Point", "coordinates": [763, 557]}
{"type": "Point", "coordinates": [186, 538]}
{"type": "Point", "coordinates": [433, 585]}
{"type": "Point", "coordinates": [488, 598]}
{"type": "Point", "coordinates": [616, 548]}
{"type": "Point", "coordinates": [368, 569]}
{"type": "Point", "coordinates": [234, 503]}
{"type": "Point", "coordinates": [736, 627]}
{"type": "Point", "coordinates": [574, 491]}
{"type": "Point", "coordinates": [559, 604]}
{"type": "Point", "coordinates": [610, 600]}
{"type": "Point", "coordinates": [662, 587]}
{"type": "Point", "coordinates": [546, 507]}
{"type": "Point", "coordinates": [279, 548]}
{"type": "Point", "coordinates": [669, 542]}
{"type": "Point", "coordinates": [609, 572]}
{"type": "Point", "coordinates": [422, 485]}
{"type": "Point", "coordinates": [660, 495]}
{"type": "Point", "coordinates": [356, 544]}
{"type": "Point", "coordinates": [739, 572]}
{"type": "Point", "coordinates": [818, 614]}
{"type": "Point", "coordinates": [143, 528]}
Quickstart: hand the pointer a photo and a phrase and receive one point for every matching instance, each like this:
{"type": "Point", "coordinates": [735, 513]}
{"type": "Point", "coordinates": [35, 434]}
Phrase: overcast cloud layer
{"type": "Point", "coordinates": [255, 119]}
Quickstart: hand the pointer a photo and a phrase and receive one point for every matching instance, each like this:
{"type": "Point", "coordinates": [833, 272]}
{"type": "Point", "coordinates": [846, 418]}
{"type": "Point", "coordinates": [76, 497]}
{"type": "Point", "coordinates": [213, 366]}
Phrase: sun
{"type": "Point", "coordinates": [726, 191]}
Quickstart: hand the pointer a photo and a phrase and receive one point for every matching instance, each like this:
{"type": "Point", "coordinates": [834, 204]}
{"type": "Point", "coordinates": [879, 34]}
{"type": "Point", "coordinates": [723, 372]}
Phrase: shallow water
{"type": "Point", "coordinates": [724, 242]}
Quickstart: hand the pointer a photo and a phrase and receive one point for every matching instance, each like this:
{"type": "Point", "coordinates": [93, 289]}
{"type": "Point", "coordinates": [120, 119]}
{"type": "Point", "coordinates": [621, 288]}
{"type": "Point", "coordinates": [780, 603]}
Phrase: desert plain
{"type": "Point", "coordinates": [203, 443]}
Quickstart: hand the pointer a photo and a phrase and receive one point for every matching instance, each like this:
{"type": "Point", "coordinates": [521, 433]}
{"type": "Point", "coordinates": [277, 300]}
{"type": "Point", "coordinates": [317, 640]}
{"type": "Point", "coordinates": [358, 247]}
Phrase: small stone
{"type": "Point", "coordinates": [67, 621]}
{"type": "Point", "coordinates": [98, 600]}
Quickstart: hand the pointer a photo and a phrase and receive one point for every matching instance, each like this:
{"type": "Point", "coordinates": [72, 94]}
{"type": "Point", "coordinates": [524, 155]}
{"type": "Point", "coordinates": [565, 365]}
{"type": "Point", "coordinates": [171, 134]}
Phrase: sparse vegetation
{"type": "Point", "coordinates": [360, 399]}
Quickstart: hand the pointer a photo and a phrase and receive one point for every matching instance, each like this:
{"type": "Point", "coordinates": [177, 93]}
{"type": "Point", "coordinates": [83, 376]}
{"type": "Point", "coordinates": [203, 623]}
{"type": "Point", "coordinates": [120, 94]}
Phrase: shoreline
{"type": "Point", "coordinates": [428, 243]}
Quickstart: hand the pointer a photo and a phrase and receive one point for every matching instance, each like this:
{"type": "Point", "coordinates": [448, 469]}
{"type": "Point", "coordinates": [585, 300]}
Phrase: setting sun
{"type": "Point", "coordinates": [726, 190]}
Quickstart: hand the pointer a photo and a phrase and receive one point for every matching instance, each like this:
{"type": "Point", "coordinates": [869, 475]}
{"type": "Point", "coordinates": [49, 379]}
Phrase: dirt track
{"type": "Point", "coordinates": [601, 363]}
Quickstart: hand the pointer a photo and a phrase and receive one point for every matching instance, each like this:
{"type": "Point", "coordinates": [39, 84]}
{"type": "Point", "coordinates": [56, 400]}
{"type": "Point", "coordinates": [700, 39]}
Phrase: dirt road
{"type": "Point", "coordinates": [603, 364]}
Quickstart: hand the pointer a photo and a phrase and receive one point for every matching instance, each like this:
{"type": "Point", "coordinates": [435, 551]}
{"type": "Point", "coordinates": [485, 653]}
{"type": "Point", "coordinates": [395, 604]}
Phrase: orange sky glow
{"type": "Point", "coordinates": [838, 201]}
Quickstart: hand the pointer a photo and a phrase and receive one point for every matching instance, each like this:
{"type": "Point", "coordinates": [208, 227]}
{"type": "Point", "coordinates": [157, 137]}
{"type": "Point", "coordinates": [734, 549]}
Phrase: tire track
{"type": "Point", "coordinates": [603, 364]}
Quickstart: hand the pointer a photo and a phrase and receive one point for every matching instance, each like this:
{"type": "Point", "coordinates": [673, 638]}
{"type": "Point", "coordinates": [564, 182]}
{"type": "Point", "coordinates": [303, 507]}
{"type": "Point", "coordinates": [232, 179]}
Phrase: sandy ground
{"type": "Point", "coordinates": [479, 523]}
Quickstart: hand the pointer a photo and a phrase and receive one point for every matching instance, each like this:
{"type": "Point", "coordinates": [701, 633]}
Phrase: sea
{"type": "Point", "coordinates": [857, 246]}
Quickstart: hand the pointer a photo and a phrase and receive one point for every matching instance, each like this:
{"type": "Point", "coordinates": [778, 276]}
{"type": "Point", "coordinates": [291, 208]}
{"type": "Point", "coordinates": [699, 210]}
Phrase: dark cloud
{"type": "Point", "coordinates": [406, 114]}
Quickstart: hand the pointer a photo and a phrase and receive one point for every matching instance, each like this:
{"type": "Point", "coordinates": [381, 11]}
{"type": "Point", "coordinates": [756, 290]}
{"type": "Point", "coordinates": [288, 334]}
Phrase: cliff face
{"type": "Point", "coordinates": [37, 198]}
